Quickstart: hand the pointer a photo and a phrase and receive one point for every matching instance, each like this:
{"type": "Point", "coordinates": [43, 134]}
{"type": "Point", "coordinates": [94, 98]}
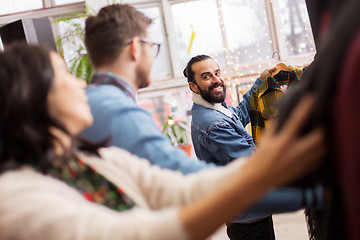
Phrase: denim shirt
{"type": "Point", "coordinates": [218, 131]}
{"type": "Point", "coordinates": [116, 114]}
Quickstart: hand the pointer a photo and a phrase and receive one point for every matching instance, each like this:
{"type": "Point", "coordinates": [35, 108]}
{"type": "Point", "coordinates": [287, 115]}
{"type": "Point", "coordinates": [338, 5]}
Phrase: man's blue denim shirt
{"type": "Point", "coordinates": [218, 131]}
{"type": "Point", "coordinates": [219, 136]}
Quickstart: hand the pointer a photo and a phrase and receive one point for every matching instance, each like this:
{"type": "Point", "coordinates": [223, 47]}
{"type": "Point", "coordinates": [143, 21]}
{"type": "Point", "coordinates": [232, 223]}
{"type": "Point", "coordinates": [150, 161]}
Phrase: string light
{"type": "Point", "coordinates": [241, 62]}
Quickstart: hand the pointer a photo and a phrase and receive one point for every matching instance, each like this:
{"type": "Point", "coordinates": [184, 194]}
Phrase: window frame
{"type": "Point", "coordinates": [52, 11]}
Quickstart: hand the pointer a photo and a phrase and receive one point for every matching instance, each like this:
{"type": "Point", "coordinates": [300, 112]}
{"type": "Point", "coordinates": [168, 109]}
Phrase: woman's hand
{"type": "Point", "coordinates": [284, 156]}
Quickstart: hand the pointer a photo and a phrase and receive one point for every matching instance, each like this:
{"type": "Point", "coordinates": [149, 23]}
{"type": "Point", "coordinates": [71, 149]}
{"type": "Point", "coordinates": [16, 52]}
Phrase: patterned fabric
{"type": "Point", "coordinates": [264, 101]}
{"type": "Point", "coordinates": [102, 77]}
{"type": "Point", "coordinates": [92, 185]}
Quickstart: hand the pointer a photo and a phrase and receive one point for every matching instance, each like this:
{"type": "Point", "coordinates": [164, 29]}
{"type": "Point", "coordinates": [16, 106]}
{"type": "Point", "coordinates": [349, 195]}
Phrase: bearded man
{"type": "Point", "coordinates": [218, 133]}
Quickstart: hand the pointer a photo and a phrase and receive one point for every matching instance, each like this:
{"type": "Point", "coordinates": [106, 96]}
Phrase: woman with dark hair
{"type": "Point", "coordinates": [44, 166]}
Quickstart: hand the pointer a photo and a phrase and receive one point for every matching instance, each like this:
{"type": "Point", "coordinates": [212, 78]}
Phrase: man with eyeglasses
{"type": "Point", "coordinates": [122, 53]}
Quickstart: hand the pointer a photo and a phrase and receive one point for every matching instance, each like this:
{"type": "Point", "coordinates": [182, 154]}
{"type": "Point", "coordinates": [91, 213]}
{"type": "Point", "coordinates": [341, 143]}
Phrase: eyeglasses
{"type": "Point", "coordinates": [155, 46]}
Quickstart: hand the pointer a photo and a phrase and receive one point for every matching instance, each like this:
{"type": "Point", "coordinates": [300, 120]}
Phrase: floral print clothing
{"type": "Point", "coordinates": [93, 186]}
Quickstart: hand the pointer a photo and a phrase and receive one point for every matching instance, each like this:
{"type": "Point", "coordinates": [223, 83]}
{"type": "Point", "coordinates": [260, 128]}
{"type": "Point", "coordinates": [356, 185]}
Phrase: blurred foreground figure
{"type": "Point", "coordinates": [52, 182]}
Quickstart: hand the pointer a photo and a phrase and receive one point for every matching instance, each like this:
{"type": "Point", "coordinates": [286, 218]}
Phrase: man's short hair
{"type": "Point", "coordinates": [188, 72]}
{"type": "Point", "coordinates": [107, 33]}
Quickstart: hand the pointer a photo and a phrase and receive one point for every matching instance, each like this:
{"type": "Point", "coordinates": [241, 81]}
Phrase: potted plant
{"type": "Point", "coordinates": [177, 131]}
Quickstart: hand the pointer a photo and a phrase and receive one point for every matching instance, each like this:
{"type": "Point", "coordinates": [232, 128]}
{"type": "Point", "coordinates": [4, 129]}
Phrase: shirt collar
{"type": "Point", "coordinates": [197, 99]}
{"type": "Point", "coordinates": [104, 77]}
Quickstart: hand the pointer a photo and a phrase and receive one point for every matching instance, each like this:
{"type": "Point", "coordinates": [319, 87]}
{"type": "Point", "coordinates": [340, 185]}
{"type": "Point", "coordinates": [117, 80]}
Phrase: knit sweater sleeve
{"type": "Point", "coordinates": [34, 206]}
{"type": "Point", "coordinates": [149, 185]}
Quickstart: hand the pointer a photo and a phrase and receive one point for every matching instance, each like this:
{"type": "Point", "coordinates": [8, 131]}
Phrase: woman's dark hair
{"type": "Point", "coordinates": [322, 78]}
{"type": "Point", "coordinates": [26, 77]}
{"type": "Point", "coordinates": [188, 72]}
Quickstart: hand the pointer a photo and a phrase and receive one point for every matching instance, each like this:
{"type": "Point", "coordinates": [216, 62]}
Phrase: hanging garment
{"type": "Point", "coordinates": [264, 101]}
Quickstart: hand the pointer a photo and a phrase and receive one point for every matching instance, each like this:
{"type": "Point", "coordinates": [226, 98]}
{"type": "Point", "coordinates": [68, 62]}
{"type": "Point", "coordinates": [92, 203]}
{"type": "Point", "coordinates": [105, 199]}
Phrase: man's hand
{"type": "Point", "coordinates": [266, 73]}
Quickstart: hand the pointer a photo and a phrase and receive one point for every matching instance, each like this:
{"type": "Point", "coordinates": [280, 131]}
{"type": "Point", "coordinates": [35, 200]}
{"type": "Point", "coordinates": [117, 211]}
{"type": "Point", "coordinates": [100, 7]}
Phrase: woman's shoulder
{"type": "Point", "coordinates": [106, 153]}
{"type": "Point", "coordinates": [26, 181]}
{"type": "Point", "coordinates": [21, 175]}
{"type": "Point", "coordinates": [111, 156]}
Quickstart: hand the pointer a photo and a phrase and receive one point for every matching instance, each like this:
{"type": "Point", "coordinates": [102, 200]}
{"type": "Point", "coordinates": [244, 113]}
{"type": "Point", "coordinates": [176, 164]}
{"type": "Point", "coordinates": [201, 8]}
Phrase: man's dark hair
{"type": "Point", "coordinates": [188, 72]}
{"type": "Point", "coordinates": [111, 29]}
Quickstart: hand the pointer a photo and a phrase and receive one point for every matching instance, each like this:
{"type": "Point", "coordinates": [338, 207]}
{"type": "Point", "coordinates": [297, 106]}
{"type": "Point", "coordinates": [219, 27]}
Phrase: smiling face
{"type": "Point", "coordinates": [208, 81]}
{"type": "Point", "coordinates": [67, 100]}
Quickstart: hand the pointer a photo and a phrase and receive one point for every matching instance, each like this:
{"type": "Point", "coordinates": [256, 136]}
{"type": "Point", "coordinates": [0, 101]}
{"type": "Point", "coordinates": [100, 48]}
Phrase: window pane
{"type": "Point", "coordinates": [247, 31]}
{"type": "Point", "coordinates": [62, 2]}
{"type": "Point", "coordinates": [72, 39]}
{"type": "Point", "coordinates": [295, 27]}
{"type": "Point", "coordinates": [170, 102]}
{"type": "Point", "coordinates": [161, 67]}
{"type": "Point", "coordinates": [198, 20]}
{"type": "Point", "coordinates": [73, 43]}
{"type": "Point", "coordinates": [14, 6]}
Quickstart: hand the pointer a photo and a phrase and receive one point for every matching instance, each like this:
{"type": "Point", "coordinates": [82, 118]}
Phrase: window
{"type": "Point", "coordinates": [198, 30]}
{"type": "Point", "coordinates": [247, 31]}
{"type": "Point", "coordinates": [74, 42]}
{"type": "Point", "coordinates": [294, 27]}
{"type": "Point", "coordinates": [241, 35]}
{"type": "Point", "coordinates": [161, 66]}
{"type": "Point", "coordinates": [72, 32]}
{"type": "Point", "coordinates": [170, 102]}
{"type": "Point", "coordinates": [13, 6]}
{"type": "Point", "coordinates": [62, 2]}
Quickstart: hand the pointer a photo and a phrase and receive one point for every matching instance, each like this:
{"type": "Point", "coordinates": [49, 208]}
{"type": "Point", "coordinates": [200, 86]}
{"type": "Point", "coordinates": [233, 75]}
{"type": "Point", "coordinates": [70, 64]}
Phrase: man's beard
{"type": "Point", "coordinates": [209, 97]}
{"type": "Point", "coordinates": [142, 78]}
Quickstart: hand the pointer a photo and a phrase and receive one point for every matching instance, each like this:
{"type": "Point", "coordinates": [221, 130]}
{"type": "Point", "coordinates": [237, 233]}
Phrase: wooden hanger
{"type": "Point", "coordinates": [280, 67]}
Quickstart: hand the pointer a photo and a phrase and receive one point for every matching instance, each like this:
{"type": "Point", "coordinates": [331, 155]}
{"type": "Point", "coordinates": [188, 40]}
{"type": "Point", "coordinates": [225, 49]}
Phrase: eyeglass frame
{"type": "Point", "coordinates": [150, 43]}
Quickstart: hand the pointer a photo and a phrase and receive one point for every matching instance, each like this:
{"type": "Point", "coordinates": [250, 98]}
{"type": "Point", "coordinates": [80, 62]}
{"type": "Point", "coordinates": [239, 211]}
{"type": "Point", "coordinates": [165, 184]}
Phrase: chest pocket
{"type": "Point", "coordinates": [240, 129]}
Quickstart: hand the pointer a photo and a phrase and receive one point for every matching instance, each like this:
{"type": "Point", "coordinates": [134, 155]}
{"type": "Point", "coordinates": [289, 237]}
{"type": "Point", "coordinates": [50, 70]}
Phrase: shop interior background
{"type": "Point", "coordinates": [243, 36]}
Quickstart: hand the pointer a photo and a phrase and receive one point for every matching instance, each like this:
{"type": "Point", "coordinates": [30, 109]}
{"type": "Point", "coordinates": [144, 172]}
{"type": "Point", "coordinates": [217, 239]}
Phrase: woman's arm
{"type": "Point", "coordinates": [39, 207]}
{"type": "Point", "coordinates": [157, 188]}
{"type": "Point", "coordinates": [34, 206]}
{"type": "Point", "coordinates": [281, 157]}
